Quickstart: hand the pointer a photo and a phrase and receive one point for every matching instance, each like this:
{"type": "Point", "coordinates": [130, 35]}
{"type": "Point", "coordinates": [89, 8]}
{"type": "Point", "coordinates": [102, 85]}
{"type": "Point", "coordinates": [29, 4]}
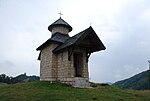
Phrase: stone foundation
{"type": "Point", "coordinates": [81, 82]}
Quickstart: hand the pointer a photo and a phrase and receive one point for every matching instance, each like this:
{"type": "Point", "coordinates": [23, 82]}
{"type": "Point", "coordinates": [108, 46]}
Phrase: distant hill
{"type": "Point", "coordinates": [24, 78]}
{"type": "Point", "coordinates": [138, 82]}
{"type": "Point", "coordinates": [20, 78]}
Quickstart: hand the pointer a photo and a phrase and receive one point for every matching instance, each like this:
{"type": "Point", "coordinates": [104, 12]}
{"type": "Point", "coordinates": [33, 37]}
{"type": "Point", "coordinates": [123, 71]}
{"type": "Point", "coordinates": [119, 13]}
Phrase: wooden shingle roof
{"type": "Point", "coordinates": [57, 37]}
{"type": "Point", "coordinates": [65, 41]}
{"type": "Point", "coordinates": [76, 40]}
{"type": "Point", "coordinates": [61, 22]}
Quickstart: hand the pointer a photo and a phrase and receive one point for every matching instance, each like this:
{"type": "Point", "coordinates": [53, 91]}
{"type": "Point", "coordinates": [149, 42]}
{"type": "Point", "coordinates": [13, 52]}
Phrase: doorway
{"type": "Point", "coordinates": [78, 64]}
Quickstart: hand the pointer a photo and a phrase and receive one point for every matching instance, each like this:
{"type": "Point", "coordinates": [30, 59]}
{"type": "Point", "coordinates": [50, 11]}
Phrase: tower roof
{"type": "Point", "coordinates": [59, 22]}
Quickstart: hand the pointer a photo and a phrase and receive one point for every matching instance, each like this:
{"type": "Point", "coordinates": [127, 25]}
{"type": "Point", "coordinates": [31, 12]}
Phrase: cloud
{"type": "Point", "coordinates": [123, 27]}
{"type": "Point", "coordinates": [134, 30]}
{"type": "Point", "coordinates": [6, 66]}
{"type": "Point", "coordinates": [127, 45]}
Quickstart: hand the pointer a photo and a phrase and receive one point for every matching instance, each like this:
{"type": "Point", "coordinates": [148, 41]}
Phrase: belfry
{"type": "Point", "coordinates": [65, 59]}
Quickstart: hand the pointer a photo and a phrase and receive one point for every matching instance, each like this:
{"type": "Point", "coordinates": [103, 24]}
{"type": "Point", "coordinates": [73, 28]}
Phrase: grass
{"type": "Point", "coordinates": [44, 91]}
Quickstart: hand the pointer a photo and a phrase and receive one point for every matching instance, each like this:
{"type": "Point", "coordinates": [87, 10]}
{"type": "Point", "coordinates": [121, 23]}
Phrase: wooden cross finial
{"type": "Point", "coordinates": [60, 14]}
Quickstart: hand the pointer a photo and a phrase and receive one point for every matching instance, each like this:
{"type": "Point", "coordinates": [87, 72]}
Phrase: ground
{"type": "Point", "coordinates": [44, 91]}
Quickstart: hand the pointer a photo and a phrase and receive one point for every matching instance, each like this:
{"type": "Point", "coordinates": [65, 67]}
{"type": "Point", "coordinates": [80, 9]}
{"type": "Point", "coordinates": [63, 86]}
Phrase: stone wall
{"type": "Point", "coordinates": [66, 70]}
{"type": "Point", "coordinates": [60, 29]}
{"type": "Point", "coordinates": [57, 68]}
{"type": "Point", "coordinates": [48, 65]}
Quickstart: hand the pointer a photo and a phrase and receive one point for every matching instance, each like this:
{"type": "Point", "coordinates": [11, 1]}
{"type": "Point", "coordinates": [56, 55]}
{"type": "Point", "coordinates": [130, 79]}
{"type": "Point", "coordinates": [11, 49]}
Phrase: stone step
{"type": "Point", "coordinates": [81, 83]}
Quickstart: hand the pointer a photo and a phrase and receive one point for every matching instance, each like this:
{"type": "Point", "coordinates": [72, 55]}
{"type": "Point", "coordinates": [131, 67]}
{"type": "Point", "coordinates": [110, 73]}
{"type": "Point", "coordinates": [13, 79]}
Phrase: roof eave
{"type": "Point", "coordinates": [52, 26]}
{"type": "Point", "coordinates": [46, 43]}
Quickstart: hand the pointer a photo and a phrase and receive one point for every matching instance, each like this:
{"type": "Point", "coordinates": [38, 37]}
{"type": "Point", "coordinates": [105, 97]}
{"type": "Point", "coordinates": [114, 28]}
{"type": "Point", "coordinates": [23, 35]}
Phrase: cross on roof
{"type": "Point", "coordinates": [90, 23]}
{"type": "Point", "coordinates": [60, 14]}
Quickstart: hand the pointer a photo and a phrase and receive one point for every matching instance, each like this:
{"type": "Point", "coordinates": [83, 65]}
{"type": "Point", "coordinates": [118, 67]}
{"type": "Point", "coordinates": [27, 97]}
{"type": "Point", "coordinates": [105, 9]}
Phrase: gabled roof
{"type": "Point", "coordinates": [65, 41]}
{"type": "Point", "coordinates": [57, 37]}
{"type": "Point", "coordinates": [60, 21]}
{"type": "Point", "coordinates": [76, 39]}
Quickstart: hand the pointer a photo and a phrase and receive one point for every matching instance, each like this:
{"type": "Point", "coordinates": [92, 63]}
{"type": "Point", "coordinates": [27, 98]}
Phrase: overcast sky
{"type": "Point", "coordinates": [122, 25]}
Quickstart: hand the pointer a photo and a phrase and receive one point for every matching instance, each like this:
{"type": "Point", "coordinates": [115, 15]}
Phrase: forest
{"type": "Point", "coordinates": [20, 78]}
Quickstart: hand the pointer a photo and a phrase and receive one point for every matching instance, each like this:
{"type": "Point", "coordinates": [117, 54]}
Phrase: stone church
{"type": "Point", "coordinates": [65, 59]}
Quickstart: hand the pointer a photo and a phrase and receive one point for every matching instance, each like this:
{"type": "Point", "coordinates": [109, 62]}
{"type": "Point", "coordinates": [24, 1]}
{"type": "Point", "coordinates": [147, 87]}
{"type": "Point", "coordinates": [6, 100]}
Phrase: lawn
{"type": "Point", "coordinates": [44, 91]}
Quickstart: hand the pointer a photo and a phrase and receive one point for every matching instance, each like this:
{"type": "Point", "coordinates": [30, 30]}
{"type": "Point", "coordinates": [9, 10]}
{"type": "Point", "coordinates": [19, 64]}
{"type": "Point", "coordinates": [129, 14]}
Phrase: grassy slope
{"type": "Point", "coordinates": [138, 81]}
{"type": "Point", "coordinates": [43, 91]}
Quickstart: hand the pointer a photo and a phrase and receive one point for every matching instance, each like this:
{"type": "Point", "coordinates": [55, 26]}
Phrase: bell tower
{"type": "Point", "coordinates": [60, 26]}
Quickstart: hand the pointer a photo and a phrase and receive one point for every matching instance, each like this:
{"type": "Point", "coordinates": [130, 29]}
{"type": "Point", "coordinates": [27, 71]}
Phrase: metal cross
{"type": "Point", "coordinates": [60, 14]}
{"type": "Point", "coordinates": [90, 23]}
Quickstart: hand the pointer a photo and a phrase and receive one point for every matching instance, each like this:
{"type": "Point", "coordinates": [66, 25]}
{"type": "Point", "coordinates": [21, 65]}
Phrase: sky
{"type": "Point", "coordinates": [122, 26]}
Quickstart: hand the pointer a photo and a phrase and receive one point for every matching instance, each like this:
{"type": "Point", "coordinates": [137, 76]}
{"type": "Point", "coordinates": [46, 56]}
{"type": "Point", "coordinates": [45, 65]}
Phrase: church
{"type": "Point", "coordinates": [65, 59]}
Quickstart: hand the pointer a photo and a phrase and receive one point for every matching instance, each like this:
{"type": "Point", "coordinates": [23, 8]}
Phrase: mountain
{"type": "Point", "coordinates": [140, 81]}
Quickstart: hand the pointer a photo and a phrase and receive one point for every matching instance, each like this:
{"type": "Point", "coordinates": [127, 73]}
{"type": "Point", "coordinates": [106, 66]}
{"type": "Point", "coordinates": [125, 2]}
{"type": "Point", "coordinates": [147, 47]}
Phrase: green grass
{"type": "Point", "coordinates": [44, 91]}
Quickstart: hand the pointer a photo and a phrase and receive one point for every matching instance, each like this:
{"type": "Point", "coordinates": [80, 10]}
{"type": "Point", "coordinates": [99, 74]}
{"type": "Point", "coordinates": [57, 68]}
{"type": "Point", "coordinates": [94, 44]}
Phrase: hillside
{"type": "Point", "coordinates": [44, 91]}
{"type": "Point", "coordinates": [20, 78]}
{"type": "Point", "coordinates": [138, 82]}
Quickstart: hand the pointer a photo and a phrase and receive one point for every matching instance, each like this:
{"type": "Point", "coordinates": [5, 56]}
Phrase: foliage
{"type": "Point", "coordinates": [138, 82]}
{"type": "Point", "coordinates": [20, 78]}
{"type": "Point", "coordinates": [45, 91]}
{"type": "Point", "coordinates": [5, 79]}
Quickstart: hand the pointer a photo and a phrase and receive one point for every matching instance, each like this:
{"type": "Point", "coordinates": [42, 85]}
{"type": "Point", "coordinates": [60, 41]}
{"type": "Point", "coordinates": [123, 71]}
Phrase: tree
{"type": "Point", "coordinates": [5, 79]}
{"type": "Point", "coordinates": [20, 78]}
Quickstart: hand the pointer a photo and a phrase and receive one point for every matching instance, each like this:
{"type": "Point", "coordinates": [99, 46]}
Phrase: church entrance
{"type": "Point", "coordinates": [78, 64]}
